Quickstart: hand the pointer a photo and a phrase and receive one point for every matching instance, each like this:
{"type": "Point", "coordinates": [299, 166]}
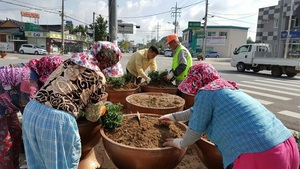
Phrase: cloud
{"type": "Point", "coordinates": [146, 13]}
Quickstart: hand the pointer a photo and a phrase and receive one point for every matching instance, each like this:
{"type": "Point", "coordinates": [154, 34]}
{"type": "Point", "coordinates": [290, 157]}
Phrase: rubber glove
{"type": "Point", "coordinates": [170, 75]}
{"type": "Point", "coordinates": [148, 80]}
{"type": "Point", "coordinates": [167, 119]}
{"type": "Point", "coordinates": [173, 142]}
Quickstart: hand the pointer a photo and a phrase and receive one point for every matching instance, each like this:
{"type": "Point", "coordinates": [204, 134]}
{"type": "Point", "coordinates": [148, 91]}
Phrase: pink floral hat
{"type": "Point", "coordinates": [103, 54]}
{"type": "Point", "coordinates": [45, 66]}
{"type": "Point", "coordinates": [203, 76]}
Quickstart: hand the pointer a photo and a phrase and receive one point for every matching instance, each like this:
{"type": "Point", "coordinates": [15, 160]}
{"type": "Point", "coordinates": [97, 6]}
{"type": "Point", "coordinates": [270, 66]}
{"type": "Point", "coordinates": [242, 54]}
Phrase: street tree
{"type": "Point", "coordinates": [101, 26]}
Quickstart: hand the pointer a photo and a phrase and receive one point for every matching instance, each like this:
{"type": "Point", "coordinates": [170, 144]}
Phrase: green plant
{"type": "Point", "coordinates": [113, 116]}
{"type": "Point", "coordinates": [128, 77]}
{"type": "Point", "coordinates": [116, 82]}
{"type": "Point", "coordinates": [154, 75]}
{"type": "Point", "coordinates": [297, 138]}
{"type": "Point", "coordinates": [158, 76]}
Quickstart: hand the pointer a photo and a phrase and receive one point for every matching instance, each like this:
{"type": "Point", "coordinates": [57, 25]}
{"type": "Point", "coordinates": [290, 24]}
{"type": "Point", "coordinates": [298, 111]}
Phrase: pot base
{"type": "Point", "coordinates": [92, 160]}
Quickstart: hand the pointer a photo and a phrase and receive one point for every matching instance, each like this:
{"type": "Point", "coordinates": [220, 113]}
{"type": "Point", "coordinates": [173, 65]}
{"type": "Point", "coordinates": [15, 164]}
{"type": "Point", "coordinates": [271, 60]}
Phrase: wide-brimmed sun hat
{"type": "Point", "coordinates": [203, 76]}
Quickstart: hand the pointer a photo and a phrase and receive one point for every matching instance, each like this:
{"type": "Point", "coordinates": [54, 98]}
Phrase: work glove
{"type": "Point", "coordinates": [148, 80]}
{"type": "Point", "coordinates": [94, 111]}
{"type": "Point", "coordinates": [173, 142]}
{"type": "Point", "coordinates": [166, 119]}
{"type": "Point", "coordinates": [170, 75]}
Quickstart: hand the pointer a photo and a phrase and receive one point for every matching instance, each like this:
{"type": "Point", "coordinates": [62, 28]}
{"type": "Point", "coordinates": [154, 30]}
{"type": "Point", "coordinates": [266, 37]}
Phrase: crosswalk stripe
{"type": "Point", "coordinates": [266, 95]}
{"type": "Point", "coordinates": [290, 119]}
{"type": "Point", "coordinates": [281, 83]}
{"type": "Point", "coordinates": [264, 102]}
{"type": "Point", "coordinates": [271, 85]}
{"type": "Point", "coordinates": [270, 90]}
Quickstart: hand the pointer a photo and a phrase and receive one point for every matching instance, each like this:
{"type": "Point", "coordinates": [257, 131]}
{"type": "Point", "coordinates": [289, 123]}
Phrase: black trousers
{"type": "Point", "coordinates": [134, 79]}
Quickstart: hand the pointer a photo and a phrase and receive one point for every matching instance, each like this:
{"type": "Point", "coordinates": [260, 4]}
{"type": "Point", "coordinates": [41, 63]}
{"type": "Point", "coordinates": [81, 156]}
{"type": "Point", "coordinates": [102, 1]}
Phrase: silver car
{"type": "Point", "coordinates": [168, 53]}
{"type": "Point", "coordinates": [32, 49]}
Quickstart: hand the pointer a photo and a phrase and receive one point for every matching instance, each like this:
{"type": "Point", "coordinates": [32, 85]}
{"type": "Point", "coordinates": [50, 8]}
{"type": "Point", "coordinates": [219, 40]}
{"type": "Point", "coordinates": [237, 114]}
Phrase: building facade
{"type": "Point", "coordinates": [279, 26]}
{"type": "Point", "coordinates": [223, 39]}
{"type": "Point", "coordinates": [15, 33]}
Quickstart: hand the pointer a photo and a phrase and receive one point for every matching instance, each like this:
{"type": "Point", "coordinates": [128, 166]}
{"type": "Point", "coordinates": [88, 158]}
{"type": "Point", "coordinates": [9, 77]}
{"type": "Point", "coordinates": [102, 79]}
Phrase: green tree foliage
{"type": "Point", "coordinates": [249, 40]}
{"type": "Point", "coordinates": [101, 26]}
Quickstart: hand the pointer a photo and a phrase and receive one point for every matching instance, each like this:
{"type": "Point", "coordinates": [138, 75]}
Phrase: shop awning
{"type": "Point", "coordinates": [66, 41]}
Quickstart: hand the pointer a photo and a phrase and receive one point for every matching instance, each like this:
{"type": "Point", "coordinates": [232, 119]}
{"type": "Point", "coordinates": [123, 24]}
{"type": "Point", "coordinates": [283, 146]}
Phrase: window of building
{"type": "Point", "coordinates": [223, 34]}
{"type": "Point", "coordinates": [295, 22]}
{"type": "Point", "coordinates": [276, 22]}
{"type": "Point", "coordinates": [211, 33]}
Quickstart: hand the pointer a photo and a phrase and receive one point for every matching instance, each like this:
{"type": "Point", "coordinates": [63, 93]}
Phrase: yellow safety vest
{"type": "Point", "coordinates": [175, 62]}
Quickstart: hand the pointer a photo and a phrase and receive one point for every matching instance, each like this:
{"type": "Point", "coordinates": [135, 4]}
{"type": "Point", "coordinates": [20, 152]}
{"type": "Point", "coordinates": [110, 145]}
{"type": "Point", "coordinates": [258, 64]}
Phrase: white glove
{"type": "Point", "coordinates": [148, 80]}
{"type": "Point", "coordinates": [167, 117]}
{"type": "Point", "coordinates": [173, 142]}
{"type": "Point", "coordinates": [170, 75]}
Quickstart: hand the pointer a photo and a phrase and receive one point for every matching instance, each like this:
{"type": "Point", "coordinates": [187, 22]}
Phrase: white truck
{"type": "Point", "coordinates": [258, 56]}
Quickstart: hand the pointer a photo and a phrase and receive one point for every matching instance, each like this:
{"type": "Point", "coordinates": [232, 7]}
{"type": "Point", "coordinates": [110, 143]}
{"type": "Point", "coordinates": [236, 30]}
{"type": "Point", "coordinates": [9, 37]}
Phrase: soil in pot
{"type": "Point", "coordinates": [149, 134]}
{"type": "Point", "coordinates": [139, 146]}
{"type": "Point", "coordinates": [155, 103]}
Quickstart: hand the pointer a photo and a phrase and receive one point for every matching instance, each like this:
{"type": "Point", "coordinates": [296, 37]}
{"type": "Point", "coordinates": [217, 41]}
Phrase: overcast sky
{"type": "Point", "coordinates": [149, 14]}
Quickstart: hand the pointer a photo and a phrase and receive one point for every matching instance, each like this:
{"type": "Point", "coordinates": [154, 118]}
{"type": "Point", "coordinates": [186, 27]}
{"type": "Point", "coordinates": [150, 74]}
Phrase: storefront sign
{"type": "Point", "coordinates": [294, 34]}
{"type": "Point", "coordinates": [36, 34]}
{"type": "Point", "coordinates": [30, 14]}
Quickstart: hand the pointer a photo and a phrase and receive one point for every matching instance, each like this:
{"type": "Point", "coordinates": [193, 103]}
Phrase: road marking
{"type": "Point", "coordinates": [290, 81]}
{"type": "Point", "coordinates": [290, 119]}
{"type": "Point", "coordinates": [271, 85]}
{"type": "Point", "coordinates": [285, 83]}
{"type": "Point", "coordinates": [266, 95]}
{"type": "Point", "coordinates": [264, 102]}
{"type": "Point", "coordinates": [270, 90]}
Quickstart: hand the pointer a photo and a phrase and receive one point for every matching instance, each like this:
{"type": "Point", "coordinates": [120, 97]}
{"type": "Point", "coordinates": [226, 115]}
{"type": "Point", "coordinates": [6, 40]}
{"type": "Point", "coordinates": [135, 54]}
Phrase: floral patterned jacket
{"type": "Point", "coordinates": [72, 88]}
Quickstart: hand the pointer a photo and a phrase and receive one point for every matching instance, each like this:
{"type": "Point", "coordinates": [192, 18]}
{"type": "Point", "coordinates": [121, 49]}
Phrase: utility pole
{"type": "Point", "coordinates": [157, 31]}
{"type": "Point", "coordinates": [113, 26]}
{"type": "Point", "coordinates": [205, 30]}
{"type": "Point", "coordinates": [94, 38]}
{"type": "Point", "coordinates": [176, 14]}
{"type": "Point", "coordinates": [62, 28]}
{"type": "Point", "coordinates": [287, 42]}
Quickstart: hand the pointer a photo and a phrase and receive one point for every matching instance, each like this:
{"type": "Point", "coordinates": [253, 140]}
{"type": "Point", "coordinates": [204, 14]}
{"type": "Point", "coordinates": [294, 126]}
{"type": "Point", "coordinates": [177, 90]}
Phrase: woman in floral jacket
{"type": "Point", "coordinates": [50, 131]}
{"type": "Point", "coordinates": [18, 85]}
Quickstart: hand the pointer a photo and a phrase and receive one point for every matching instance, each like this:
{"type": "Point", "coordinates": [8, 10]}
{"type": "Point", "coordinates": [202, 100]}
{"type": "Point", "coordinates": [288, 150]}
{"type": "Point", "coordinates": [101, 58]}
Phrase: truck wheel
{"type": "Point", "coordinates": [276, 71]}
{"type": "Point", "coordinates": [240, 67]}
{"type": "Point", "coordinates": [291, 74]}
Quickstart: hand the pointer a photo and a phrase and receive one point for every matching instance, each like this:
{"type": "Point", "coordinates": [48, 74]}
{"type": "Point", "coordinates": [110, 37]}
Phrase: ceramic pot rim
{"type": "Point", "coordinates": [138, 148]}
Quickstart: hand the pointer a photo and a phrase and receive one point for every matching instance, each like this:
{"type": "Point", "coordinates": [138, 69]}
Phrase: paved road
{"type": "Point", "coordinates": [280, 95]}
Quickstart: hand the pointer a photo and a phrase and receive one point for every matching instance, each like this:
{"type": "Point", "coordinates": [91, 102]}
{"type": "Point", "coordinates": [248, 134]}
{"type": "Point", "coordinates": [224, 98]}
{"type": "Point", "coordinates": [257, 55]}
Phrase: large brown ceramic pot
{"type": "Point", "coordinates": [165, 89]}
{"type": "Point", "coordinates": [118, 96]}
{"type": "Point", "coordinates": [90, 136]}
{"type": "Point", "coordinates": [155, 103]}
{"type": "Point", "coordinates": [209, 154]}
{"type": "Point", "coordinates": [189, 99]}
{"type": "Point", "coordinates": [130, 157]}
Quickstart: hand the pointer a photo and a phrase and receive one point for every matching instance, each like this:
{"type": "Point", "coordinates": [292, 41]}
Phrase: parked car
{"type": "Point", "coordinates": [168, 53]}
{"type": "Point", "coordinates": [32, 49]}
{"type": "Point", "coordinates": [212, 54]}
